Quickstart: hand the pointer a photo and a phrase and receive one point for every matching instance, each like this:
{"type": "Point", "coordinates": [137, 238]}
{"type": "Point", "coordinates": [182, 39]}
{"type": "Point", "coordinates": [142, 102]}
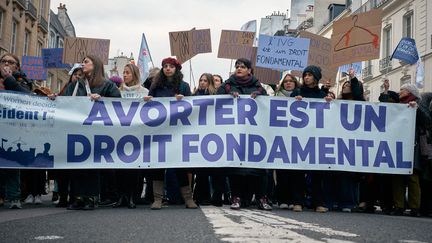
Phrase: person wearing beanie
{"type": "Point", "coordinates": [409, 94]}
{"type": "Point", "coordinates": [169, 83]}
{"type": "Point", "coordinates": [309, 89]}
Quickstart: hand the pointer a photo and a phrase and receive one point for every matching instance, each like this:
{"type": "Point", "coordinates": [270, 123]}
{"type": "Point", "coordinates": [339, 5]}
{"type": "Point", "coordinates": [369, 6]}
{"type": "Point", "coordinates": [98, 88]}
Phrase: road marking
{"type": "Point", "coordinates": [259, 226]}
{"type": "Point", "coordinates": [49, 237]}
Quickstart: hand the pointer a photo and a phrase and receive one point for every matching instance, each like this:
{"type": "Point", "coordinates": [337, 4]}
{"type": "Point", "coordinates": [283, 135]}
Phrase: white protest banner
{"type": "Point", "coordinates": [282, 53]}
{"type": "Point", "coordinates": [206, 131]}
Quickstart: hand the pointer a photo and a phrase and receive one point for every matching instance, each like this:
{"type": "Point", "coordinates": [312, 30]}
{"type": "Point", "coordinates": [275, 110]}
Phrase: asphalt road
{"type": "Point", "coordinates": [45, 223]}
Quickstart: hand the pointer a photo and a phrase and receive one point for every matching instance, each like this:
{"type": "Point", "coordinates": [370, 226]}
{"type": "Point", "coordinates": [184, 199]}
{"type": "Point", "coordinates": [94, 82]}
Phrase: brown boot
{"type": "Point", "coordinates": [157, 194]}
{"type": "Point", "coordinates": [187, 196]}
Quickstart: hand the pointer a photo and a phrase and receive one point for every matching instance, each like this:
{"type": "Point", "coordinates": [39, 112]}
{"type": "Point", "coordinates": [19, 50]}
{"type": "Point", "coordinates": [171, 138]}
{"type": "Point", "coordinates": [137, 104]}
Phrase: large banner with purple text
{"type": "Point", "coordinates": [205, 131]}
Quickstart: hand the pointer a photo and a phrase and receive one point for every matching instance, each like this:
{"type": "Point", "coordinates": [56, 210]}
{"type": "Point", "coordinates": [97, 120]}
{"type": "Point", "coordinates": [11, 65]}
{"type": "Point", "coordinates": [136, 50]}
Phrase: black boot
{"type": "Point", "coordinates": [122, 202]}
{"type": "Point", "coordinates": [131, 203]}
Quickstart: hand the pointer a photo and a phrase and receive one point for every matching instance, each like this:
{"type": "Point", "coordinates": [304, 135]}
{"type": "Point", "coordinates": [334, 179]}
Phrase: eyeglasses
{"type": "Point", "coordinates": [10, 62]}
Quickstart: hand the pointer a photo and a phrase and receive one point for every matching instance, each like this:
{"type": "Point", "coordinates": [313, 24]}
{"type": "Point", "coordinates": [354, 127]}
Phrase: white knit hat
{"type": "Point", "coordinates": [412, 89]}
{"type": "Point", "coordinates": [75, 66]}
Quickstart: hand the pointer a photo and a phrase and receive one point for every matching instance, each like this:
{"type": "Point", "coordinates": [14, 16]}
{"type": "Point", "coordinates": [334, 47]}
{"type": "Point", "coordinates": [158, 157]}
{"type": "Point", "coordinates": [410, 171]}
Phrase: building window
{"type": "Point", "coordinates": [387, 49]}
{"type": "Point", "coordinates": [408, 24]}
{"type": "Point", "coordinates": [1, 22]}
{"type": "Point", "coordinates": [42, 8]}
{"type": "Point", "coordinates": [52, 39]}
{"type": "Point", "coordinates": [49, 79]}
{"type": "Point", "coordinates": [61, 44]}
{"type": "Point", "coordinates": [59, 85]}
{"type": "Point", "coordinates": [14, 36]}
{"type": "Point", "coordinates": [39, 49]}
{"type": "Point", "coordinates": [26, 43]}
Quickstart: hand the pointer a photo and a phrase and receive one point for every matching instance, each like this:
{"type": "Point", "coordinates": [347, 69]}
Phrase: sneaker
{"type": "Point", "coordinates": [263, 204]}
{"type": "Point", "coordinates": [29, 200]}
{"type": "Point", "coordinates": [297, 208]}
{"type": "Point", "coordinates": [291, 206]}
{"type": "Point", "coordinates": [346, 210]}
{"type": "Point", "coordinates": [414, 212]}
{"type": "Point", "coordinates": [15, 204]}
{"type": "Point", "coordinates": [38, 199]}
{"type": "Point", "coordinates": [284, 206]}
{"type": "Point", "coordinates": [321, 209]}
{"type": "Point", "coordinates": [235, 203]}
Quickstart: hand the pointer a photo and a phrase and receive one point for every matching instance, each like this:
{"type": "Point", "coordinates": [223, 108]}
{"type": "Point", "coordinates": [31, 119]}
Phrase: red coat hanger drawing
{"type": "Point", "coordinates": [346, 41]}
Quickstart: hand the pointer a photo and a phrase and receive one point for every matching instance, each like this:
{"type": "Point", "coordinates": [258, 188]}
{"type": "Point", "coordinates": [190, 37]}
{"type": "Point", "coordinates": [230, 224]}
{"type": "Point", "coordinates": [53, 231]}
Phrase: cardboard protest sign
{"type": "Point", "coordinates": [282, 53]}
{"type": "Point", "coordinates": [186, 44]}
{"type": "Point", "coordinates": [356, 38]}
{"type": "Point", "coordinates": [52, 58]}
{"type": "Point", "coordinates": [33, 67]}
{"type": "Point", "coordinates": [236, 44]}
{"type": "Point", "coordinates": [320, 55]}
{"type": "Point", "coordinates": [76, 49]}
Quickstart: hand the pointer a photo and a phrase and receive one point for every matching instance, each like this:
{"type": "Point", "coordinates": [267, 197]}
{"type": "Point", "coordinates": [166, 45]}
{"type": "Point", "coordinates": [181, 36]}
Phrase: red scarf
{"type": "Point", "coordinates": [407, 99]}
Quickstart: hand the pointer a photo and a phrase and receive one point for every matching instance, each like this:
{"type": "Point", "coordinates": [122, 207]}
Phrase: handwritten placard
{"type": "Point", "coordinates": [282, 53]}
{"type": "Point", "coordinates": [33, 67]}
{"type": "Point", "coordinates": [76, 49]}
{"type": "Point", "coordinates": [356, 38]}
{"type": "Point", "coordinates": [236, 44]}
{"type": "Point", "coordinates": [186, 44]}
{"type": "Point", "coordinates": [320, 55]}
{"type": "Point", "coordinates": [52, 58]}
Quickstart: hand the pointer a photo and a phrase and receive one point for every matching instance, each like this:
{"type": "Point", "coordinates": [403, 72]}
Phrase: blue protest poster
{"type": "Point", "coordinates": [282, 53]}
{"type": "Point", "coordinates": [406, 51]}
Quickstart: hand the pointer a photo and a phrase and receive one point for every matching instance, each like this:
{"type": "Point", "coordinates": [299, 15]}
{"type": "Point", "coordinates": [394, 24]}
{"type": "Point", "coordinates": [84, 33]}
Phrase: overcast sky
{"type": "Point", "coordinates": [123, 22]}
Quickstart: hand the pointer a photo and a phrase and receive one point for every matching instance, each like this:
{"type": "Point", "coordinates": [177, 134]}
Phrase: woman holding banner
{"type": "Point", "coordinates": [309, 89]}
{"type": "Point", "coordinates": [128, 180]}
{"type": "Point", "coordinates": [409, 94]}
{"type": "Point", "coordinates": [85, 183]}
{"type": "Point", "coordinates": [245, 182]}
{"type": "Point", "coordinates": [169, 83]}
{"type": "Point", "coordinates": [11, 78]}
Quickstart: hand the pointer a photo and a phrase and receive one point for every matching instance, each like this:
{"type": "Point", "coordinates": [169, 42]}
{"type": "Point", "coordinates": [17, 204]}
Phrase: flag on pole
{"type": "Point", "coordinates": [406, 51]}
{"type": "Point", "coordinates": [420, 73]}
{"type": "Point", "coordinates": [250, 26]}
{"type": "Point", "coordinates": [144, 58]}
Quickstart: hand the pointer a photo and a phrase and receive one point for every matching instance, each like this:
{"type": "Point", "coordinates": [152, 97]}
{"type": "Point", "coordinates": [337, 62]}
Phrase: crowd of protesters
{"type": "Point", "coordinates": [296, 190]}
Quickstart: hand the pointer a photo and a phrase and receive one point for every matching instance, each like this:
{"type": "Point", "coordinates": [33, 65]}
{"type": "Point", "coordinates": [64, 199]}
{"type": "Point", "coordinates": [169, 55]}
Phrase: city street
{"type": "Point", "coordinates": [45, 223]}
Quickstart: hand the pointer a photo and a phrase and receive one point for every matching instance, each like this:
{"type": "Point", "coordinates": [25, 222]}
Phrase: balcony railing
{"type": "Point", "coordinates": [367, 73]}
{"type": "Point", "coordinates": [43, 24]}
{"type": "Point", "coordinates": [21, 3]}
{"type": "Point", "coordinates": [31, 10]}
{"type": "Point", "coordinates": [369, 5]}
{"type": "Point", "coordinates": [385, 64]}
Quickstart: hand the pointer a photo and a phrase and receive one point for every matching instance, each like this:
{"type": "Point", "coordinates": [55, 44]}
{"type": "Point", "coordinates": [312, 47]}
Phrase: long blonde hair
{"type": "Point", "coordinates": [135, 74]}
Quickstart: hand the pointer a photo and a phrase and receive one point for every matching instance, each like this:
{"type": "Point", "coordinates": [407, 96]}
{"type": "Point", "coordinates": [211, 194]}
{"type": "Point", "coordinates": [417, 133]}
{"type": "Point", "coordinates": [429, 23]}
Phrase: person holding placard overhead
{"type": "Point", "coordinates": [169, 83]}
{"type": "Point", "coordinates": [86, 183]}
